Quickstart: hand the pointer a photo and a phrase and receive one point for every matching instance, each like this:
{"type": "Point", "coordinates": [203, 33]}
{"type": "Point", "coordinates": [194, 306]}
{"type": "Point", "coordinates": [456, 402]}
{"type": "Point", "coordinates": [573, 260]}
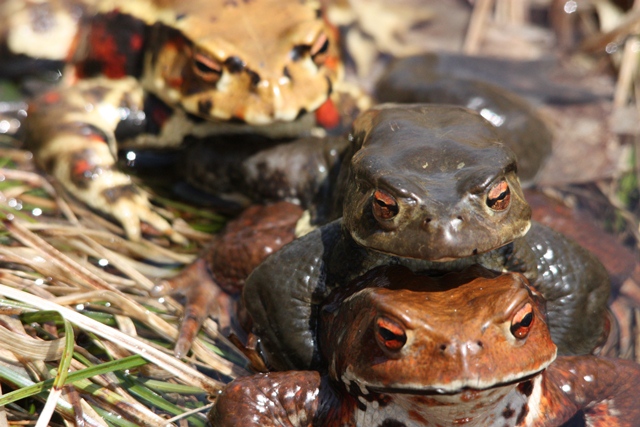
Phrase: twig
{"type": "Point", "coordinates": [476, 24]}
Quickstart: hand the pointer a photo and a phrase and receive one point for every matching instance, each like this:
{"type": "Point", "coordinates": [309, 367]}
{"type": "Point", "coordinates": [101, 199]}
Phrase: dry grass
{"type": "Point", "coordinates": [75, 291]}
{"type": "Point", "coordinates": [59, 257]}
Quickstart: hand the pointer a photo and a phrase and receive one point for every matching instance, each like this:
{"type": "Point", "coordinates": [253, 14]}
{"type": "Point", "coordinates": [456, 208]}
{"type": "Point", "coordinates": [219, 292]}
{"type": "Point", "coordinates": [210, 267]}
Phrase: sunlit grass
{"type": "Point", "coordinates": [85, 264]}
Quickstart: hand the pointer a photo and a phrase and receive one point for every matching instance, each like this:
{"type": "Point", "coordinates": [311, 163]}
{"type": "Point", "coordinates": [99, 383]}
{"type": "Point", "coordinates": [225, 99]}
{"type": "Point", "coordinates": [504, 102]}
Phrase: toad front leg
{"type": "Point", "coordinates": [72, 132]}
{"type": "Point", "coordinates": [212, 283]}
{"type": "Point", "coordinates": [287, 177]}
{"type": "Point", "coordinates": [602, 391]}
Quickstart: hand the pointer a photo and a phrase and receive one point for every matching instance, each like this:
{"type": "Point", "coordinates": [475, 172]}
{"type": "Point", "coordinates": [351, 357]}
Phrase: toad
{"type": "Point", "coordinates": [404, 349]}
{"type": "Point", "coordinates": [430, 187]}
{"type": "Point", "coordinates": [154, 73]}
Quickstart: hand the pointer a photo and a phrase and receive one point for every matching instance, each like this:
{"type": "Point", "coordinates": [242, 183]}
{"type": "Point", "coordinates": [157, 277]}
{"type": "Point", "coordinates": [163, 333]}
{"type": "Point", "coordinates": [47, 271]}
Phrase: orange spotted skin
{"type": "Point", "coordinates": [115, 45]}
{"type": "Point", "coordinates": [217, 59]}
{"type": "Point", "coordinates": [160, 73]}
{"type": "Point", "coordinates": [328, 115]}
{"type": "Point", "coordinates": [165, 71]}
{"type": "Point", "coordinates": [484, 358]}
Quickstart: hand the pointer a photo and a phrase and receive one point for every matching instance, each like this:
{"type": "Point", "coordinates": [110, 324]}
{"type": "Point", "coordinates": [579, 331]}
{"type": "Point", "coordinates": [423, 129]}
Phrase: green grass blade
{"type": "Point", "coordinates": [114, 419]}
{"type": "Point", "coordinates": [67, 355]}
{"type": "Point", "coordinates": [165, 387]}
{"type": "Point", "coordinates": [29, 389]}
{"type": "Point", "coordinates": [159, 402]}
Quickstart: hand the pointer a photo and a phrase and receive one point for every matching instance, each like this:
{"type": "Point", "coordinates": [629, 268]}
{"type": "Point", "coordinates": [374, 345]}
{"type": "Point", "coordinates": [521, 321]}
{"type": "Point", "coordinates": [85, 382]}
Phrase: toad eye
{"type": "Point", "coordinates": [207, 68]}
{"type": "Point", "coordinates": [385, 205]}
{"type": "Point", "coordinates": [522, 321]}
{"type": "Point", "coordinates": [390, 334]}
{"type": "Point", "coordinates": [499, 196]}
{"type": "Point", "coordinates": [319, 49]}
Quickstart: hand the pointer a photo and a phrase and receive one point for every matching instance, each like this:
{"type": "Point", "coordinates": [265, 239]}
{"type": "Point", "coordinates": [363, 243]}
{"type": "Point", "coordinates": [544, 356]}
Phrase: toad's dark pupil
{"type": "Point", "coordinates": [204, 68]}
{"type": "Point", "coordinates": [526, 320]}
{"type": "Point", "coordinates": [387, 335]}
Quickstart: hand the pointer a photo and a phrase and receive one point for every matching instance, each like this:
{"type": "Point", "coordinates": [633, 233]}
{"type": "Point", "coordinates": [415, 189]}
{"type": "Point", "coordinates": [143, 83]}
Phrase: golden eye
{"type": "Point", "coordinates": [207, 68]}
{"type": "Point", "coordinates": [390, 334]}
{"type": "Point", "coordinates": [522, 322]}
{"type": "Point", "coordinates": [319, 49]}
{"type": "Point", "coordinates": [385, 205]}
{"type": "Point", "coordinates": [499, 196]}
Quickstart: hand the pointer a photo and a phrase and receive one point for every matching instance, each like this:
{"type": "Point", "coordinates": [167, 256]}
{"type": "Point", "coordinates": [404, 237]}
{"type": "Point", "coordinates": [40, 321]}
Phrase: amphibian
{"type": "Point", "coordinates": [403, 349]}
{"type": "Point", "coordinates": [430, 187]}
{"type": "Point", "coordinates": [154, 72]}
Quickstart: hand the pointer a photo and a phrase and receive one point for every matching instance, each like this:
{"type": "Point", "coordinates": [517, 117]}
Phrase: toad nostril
{"type": "Point", "coordinates": [443, 348]}
{"type": "Point", "coordinates": [286, 73]}
{"type": "Point", "coordinates": [301, 113]}
{"type": "Point", "coordinates": [234, 64]}
{"type": "Point", "coordinates": [460, 218]}
{"type": "Point", "coordinates": [427, 221]}
{"type": "Point", "coordinates": [255, 77]}
{"type": "Point", "coordinates": [479, 344]}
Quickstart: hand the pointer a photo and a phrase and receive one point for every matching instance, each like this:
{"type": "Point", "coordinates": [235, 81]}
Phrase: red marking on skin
{"type": "Point", "coordinates": [80, 167]}
{"type": "Point", "coordinates": [332, 62]}
{"type": "Point", "coordinates": [175, 82]}
{"type": "Point", "coordinates": [391, 326]}
{"type": "Point", "coordinates": [105, 49]}
{"type": "Point", "coordinates": [384, 197]}
{"type": "Point", "coordinates": [136, 42]}
{"type": "Point", "coordinates": [51, 97]}
{"type": "Point", "coordinates": [96, 138]}
{"type": "Point", "coordinates": [327, 115]}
